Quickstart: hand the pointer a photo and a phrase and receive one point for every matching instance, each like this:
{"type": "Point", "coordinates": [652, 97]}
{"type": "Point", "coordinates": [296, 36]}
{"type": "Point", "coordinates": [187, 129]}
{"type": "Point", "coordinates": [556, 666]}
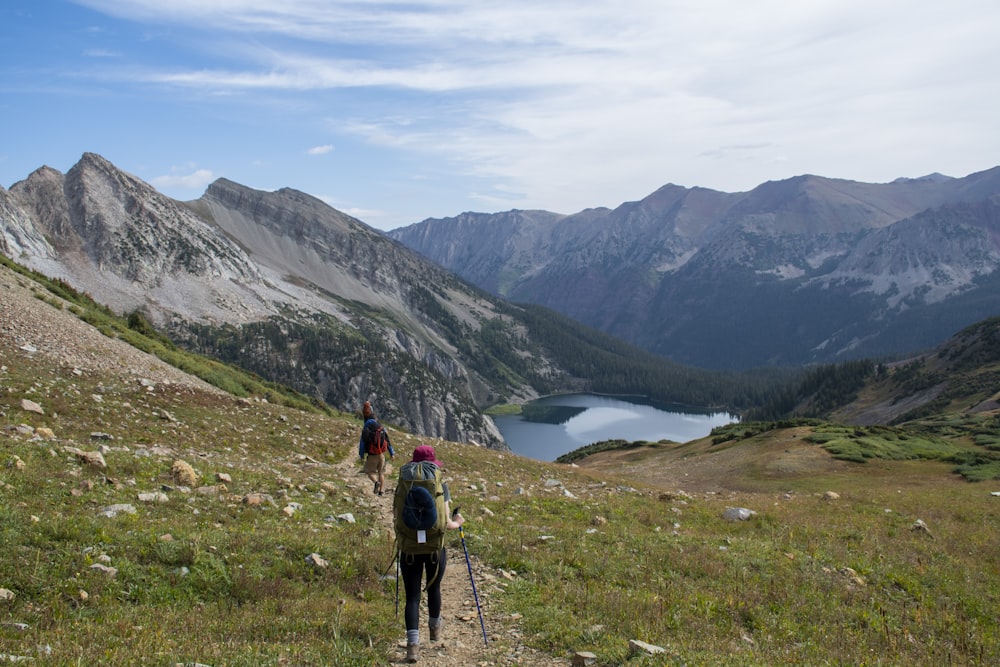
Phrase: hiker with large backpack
{"type": "Point", "coordinates": [421, 515]}
{"type": "Point", "coordinates": [372, 448]}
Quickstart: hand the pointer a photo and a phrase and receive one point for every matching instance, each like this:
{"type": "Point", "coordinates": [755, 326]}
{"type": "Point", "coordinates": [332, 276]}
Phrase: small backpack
{"type": "Point", "coordinates": [375, 439]}
{"type": "Point", "coordinates": [418, 509]}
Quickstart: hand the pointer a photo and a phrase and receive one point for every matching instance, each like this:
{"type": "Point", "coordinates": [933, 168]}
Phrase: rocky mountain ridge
{"type": "Point", "coordinates": [813, 269]}
{"type": "Point", "coordinates": [273, 281]}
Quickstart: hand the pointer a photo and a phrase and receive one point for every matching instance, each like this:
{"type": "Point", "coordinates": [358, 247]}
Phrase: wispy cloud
{"type": "Point", "coordinates": [568, 102]}
{"type": "Point", "coordinates": [195, 180]}
{"type": "Point", "coordinates": [320, 150]}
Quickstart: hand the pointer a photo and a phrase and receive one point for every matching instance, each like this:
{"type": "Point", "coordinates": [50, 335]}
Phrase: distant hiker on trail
{"type": "Point", "coordinates": [373, 446]}
{"type": "Point", "coordinates": [422, 514]}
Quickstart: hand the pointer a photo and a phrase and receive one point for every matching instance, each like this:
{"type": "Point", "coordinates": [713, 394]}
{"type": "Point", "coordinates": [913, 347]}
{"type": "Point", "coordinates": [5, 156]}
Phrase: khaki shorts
{"type": "Point", "coordinates": [374, 463]}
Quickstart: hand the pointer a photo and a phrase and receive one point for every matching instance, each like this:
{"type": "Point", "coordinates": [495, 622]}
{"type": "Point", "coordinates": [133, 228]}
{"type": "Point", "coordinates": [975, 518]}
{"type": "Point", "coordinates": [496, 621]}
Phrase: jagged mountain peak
{"type": "Point", "coordinates": [735, 279]}
{"type": "Point", "coordinates": [119, 239]}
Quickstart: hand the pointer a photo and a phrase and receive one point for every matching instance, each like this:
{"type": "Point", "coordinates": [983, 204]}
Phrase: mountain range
{"type": "Point", "coordinates": [700, 284]}
{"type": "Point", "coordinates": [800, 271]}
{"type": "Point", "coordinates": [303, 295]}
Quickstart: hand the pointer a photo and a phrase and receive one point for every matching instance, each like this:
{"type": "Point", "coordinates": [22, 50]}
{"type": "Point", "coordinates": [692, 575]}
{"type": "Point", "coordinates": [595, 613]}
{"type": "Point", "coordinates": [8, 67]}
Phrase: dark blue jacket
{"type": "Point", "coordinates": [361, 442]}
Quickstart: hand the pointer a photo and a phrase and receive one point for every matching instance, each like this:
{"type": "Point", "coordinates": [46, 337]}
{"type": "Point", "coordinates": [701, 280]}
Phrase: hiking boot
{"type": "Point", "coordinates": [378, 487]}
{"type": "Point", "coordinates": [412, 652]}
{"type": "Point", "coordinates": [436, 630]}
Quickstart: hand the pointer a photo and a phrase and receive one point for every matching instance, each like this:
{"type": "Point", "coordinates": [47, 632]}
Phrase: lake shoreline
{"type": "Point", "coordinates": [560, 423]}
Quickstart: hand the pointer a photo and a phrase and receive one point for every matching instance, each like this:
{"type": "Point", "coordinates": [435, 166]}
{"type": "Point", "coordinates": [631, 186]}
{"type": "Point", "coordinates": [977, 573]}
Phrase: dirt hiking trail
{"type": "Point", "coordinates": [461, 642]}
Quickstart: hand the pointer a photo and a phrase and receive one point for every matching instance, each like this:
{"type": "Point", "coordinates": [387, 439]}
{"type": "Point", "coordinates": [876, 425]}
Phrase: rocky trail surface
{"type": "Point", "coordinates": [462, 641]}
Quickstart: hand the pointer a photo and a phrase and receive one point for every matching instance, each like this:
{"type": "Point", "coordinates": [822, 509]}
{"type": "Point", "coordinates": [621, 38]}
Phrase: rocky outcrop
{"type": "Point", "coordinates": [113, 236]}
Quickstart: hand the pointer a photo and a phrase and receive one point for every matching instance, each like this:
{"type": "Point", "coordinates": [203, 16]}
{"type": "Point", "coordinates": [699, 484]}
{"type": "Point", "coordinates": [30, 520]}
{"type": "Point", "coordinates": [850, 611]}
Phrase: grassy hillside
{"type": "Point", "coordinates": [630, 545]}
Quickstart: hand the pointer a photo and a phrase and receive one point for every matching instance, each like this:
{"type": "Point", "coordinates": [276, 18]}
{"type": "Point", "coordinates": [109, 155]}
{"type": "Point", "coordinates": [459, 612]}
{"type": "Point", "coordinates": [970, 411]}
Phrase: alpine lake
{"type": "Point", "coordinates": [552, 426]}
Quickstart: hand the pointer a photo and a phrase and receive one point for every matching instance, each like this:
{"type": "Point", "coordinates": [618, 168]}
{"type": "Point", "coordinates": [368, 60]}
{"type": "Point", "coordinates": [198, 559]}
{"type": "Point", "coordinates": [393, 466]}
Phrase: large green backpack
{"type": "Point", "coordinates": [418, 509]}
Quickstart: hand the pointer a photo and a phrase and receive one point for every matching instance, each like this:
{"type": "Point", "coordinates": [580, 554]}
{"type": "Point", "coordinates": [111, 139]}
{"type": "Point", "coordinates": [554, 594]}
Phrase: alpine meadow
{"type": "Point", "coordinates": [180, 410]}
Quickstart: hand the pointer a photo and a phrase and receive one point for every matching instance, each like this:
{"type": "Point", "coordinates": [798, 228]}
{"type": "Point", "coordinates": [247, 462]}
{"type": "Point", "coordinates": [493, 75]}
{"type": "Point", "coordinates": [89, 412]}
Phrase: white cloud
{"type": "Point", "coordinates": [195, 180]}
{"type": "Point", "coordinates": [320, 150]}
{"type": "Point", "coordinates": [592, 103]}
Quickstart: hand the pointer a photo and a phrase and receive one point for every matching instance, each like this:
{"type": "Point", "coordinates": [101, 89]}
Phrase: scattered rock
{"type": "Point", "coordinates": [20, 627]}
{"type": "Point", "coordinates": [583, 658]}
{"type": "Point", "coordinates": [921, 527]}
{"type": "Point", "coordinates": [853, 576]}
{"type": "Point", "coordinates": [31, 406]}
{"type": "Point", "coordinates": [256, 499]}
{"type": "Point", "coordinates": [111, 511]}
{"type": "Point", "coordinates": [153, 497]}
{"type": "Point", "coordinates": [183, 473]}
{"type": "Point", "coordinates": [346, 518]}
{"type": "Point", "coordinates": [6, 595]}
{"type": "Point", "coordinates": [831, 495]}
{"type": "Point", "coordinates": [738, 514]}
{"type": "Point", "coordinates": [105, 569]}
{"type": "Point", "coordinates": [90, 459]}
{"type": "Point", "coordinates": [317, 561]}
{"type": "Point", "coordinates": [636, 647]}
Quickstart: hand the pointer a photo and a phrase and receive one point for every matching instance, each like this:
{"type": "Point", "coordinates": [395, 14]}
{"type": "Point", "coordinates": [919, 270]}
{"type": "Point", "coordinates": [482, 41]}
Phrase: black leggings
{"type": "Point", "coordinates": [412, 568]}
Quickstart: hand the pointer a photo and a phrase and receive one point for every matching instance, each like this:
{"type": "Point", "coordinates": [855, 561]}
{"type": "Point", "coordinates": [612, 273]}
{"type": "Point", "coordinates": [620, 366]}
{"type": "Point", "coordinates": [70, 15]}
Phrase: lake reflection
{"type": "Point", "coordinates": [555, 425]}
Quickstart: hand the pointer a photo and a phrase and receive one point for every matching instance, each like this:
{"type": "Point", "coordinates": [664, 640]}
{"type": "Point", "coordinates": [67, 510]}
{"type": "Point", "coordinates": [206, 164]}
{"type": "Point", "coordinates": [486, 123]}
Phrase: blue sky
{"type": "Point", "coordinates": [398, 111]}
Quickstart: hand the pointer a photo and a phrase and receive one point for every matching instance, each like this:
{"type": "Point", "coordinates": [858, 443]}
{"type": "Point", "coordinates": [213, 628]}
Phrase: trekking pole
{"type": "Point", "coordinates": [475, 595]}
{"type": "Point", "coordinates": [386, 574]}
{"type": "Point", "coordinates": [397, 585]}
